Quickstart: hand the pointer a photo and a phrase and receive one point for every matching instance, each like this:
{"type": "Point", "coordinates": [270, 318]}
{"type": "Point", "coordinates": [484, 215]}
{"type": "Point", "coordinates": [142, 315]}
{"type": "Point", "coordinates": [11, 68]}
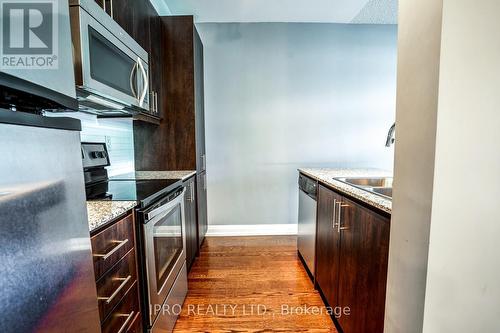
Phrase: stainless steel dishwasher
{"type": "Point", "coordinates": [306, 241]}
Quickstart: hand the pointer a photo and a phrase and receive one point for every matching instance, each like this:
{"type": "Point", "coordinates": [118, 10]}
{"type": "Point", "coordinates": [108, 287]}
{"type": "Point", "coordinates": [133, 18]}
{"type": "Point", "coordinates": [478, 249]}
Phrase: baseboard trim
{"type": "Point", "coordinates": [252, 230]}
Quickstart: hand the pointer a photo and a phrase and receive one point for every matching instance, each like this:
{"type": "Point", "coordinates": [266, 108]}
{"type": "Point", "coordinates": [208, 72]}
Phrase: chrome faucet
{"type": "Point", "coordinates": [390, 136]}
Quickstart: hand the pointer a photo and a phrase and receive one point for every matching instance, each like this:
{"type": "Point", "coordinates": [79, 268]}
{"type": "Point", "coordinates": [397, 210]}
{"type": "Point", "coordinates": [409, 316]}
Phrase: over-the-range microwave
{"type": "Point", "coordinates": [111, 68]}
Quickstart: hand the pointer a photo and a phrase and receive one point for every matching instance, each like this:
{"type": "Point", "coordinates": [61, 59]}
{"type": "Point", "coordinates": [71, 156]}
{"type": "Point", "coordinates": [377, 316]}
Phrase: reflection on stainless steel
{"type": "Point", "coordinates": [381, 186]}
{"type": "Point", "coordinates": [306, 240]}
{"type": "Point", "coordinates": [385, 191]}
{"type": "Point", "coordinates": [112, 68]}
{"type": "Point", "coordinates": [164, 243]}
{"type": "Point", "coordinates": [44, 239]}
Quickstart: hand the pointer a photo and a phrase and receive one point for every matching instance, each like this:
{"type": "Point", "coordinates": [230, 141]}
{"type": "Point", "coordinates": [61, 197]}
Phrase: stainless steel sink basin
{"type": "Point", "coordinates": [368, 182]}
{"type": "Point", "coordinates": [378, 185]}
{"type": "Point", "coordinates": [385, 191]}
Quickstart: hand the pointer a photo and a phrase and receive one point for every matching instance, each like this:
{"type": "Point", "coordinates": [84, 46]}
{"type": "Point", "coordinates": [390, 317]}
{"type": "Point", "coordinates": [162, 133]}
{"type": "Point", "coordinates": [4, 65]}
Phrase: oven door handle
{"type": "Point", "coordinates": [166, 207]}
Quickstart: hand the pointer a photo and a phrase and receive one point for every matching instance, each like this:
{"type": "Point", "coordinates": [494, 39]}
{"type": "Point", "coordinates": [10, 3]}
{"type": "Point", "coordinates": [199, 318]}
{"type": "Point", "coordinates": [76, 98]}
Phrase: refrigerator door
{"type": "Point", "coordinates": [46, 276]}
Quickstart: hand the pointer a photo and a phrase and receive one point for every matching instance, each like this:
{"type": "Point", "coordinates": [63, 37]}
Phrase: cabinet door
{"type": "Point", "coordinates": [202, 206]}
{"type": "Point", "coordinates": [363, 262]}
{"type": "Point", "coordinates": [155, 64]}
{"type": "Point", "coordinates": [191, 222]}
{"type": "Point", "coordinates": [143, 12]}
{"type": "Point", "coordinates": [123, 14]}
{"type": "Point", "coordinates": [327, 245]}
{"type": "Point", "coordinates": [199, 102]}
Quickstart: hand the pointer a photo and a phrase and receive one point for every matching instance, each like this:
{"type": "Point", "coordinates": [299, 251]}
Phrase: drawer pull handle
{"type": "Point", "coordinates": [129, 318]}
{"type": "Point", "coordinates": [339, 220]}
{"type": "Point", "coordinates": [120, 287]}
{"type": "Point", "coordinates": [116, 248]}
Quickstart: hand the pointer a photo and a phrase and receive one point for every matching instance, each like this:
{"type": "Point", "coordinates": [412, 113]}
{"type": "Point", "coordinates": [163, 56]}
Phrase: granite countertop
{"type": "Point", "coordinates": [326, 176]}
{"type": "Point", "coordinates": [103, 212]}
{"type": "Point", "coordinates": [147, 175]}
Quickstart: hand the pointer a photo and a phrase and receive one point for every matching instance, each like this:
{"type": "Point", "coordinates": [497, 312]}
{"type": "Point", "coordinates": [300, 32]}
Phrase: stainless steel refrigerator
{"type": "Point", "coordinates": [46, 271]}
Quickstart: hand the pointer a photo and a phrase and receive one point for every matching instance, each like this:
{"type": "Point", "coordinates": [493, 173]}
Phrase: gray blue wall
{"type": "Point", "coordinates": [281, 96]}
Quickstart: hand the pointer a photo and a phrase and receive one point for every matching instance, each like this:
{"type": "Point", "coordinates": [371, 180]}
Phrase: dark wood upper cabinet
{"type": "Point", "coordinates": [352, 248]}
{"type": "Point", "coordinates": [199, 93]}
{"type": "Point", "coordinates": [176, 143]}
{"type": "Point", "coordinates": [144, 12]}
{"type": "Point", "coordinates": [133, 16]}
{"type": "Point", "coordinates": [363, 263]}
{"type": "Point", "coordinates": [155, 65]}
{"type": "Point", "coordinates": [123, 13]}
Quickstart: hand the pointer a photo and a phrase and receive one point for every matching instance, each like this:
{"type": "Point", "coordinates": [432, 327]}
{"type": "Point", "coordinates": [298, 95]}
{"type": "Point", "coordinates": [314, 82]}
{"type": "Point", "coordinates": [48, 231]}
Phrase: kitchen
{"type": "Point", "coordinates": [195, 166]}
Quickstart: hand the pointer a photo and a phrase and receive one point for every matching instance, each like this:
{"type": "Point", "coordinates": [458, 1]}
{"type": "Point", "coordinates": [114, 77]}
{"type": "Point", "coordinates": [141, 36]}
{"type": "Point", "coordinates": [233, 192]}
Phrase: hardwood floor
{"type": "Point", "coordinates": [258, 280]}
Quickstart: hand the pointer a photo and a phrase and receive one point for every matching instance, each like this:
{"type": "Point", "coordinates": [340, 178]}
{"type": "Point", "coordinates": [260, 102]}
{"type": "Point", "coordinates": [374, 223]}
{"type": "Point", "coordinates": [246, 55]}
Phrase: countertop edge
{"type": "Point", "coordinates": [378, 203]}
{"type": "Point", "coordinates": [103, 213]}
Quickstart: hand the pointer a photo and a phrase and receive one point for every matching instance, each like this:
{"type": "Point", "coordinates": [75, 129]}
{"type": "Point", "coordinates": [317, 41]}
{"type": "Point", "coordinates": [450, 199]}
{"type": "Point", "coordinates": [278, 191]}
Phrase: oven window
{"type": "Point", "coordinates": [108, 64]}
{"type": "Point", "coordinates": [167, 238]}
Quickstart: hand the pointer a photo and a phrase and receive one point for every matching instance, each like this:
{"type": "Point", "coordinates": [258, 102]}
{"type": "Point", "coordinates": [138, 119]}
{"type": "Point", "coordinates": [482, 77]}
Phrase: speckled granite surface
{"type": "Point", "coordinates": [102, 212]}
{"type": "Point", "coordinates": [145, 175]}
{"type": "Point", "coordinates": [326, 176]}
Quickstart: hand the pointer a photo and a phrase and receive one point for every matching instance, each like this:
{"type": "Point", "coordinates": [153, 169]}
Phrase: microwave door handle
{"type": "Point", "coordinates": [134, 69]}
{"type": "Point", "coordinates": [145, 82]}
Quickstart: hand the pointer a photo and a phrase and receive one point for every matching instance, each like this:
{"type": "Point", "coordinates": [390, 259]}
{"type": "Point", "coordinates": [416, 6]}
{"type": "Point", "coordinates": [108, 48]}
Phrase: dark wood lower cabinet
{"type": "Point", "coordinates": [191, 221]}
{"type": "Point", "coordinates": [352, 248]}
{"type": "Point", "coordinates": [363, 263]}
{"type": "Point", "coordinates": [327, 246]}
{"type": "Point", "coordinates": [115, 264]}
{"type": "Point", "coordinates": [201, 186]}
{"type": "Point", "coordinates": [124, 315]}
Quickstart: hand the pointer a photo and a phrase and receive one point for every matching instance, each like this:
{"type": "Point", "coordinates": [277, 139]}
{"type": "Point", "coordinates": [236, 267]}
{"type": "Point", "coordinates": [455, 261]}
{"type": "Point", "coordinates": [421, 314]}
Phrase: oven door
{"type": "Point", "coordinates": [112, 64]}
{"type": "Point", "coordinates": [165, 245]}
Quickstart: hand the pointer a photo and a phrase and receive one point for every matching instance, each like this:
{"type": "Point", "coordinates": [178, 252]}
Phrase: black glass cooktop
{"type": "Point", "coordinates": [144, 192]}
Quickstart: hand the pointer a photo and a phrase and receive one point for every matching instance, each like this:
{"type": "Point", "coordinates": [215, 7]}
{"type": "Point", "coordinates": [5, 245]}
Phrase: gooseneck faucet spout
{"type": "Point", "coordinates": [390, 136]}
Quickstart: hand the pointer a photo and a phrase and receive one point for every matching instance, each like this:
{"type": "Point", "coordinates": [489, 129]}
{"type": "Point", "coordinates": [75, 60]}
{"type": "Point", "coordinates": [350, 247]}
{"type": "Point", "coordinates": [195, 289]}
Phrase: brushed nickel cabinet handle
{"type": "Point", "coordinates": [120, 287]}
{"type": "Point", "coordinates": [192, 191]}
{"type": "Point", "coordinates": [339, 216]}
{"type": "Point", "coordinates": [116, 248]}
{"type": "Point", "coordinates": [333, 220]}
{"type": "Point", "coordinates": [156, 103]}
{"type": "Point", "coordinates": [129, 318]}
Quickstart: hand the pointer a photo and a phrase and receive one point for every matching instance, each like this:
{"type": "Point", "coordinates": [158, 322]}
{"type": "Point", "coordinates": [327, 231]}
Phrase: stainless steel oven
{"type": "Point", "coordinates": [164, 247]}
{"type": "Point", "coordinates": [111, 68]}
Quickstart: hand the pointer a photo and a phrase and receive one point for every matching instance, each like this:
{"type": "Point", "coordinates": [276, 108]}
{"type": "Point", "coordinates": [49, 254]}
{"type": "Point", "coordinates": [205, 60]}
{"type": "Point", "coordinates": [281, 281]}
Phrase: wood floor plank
{"type": "Point", "coordinates": [251, 284]}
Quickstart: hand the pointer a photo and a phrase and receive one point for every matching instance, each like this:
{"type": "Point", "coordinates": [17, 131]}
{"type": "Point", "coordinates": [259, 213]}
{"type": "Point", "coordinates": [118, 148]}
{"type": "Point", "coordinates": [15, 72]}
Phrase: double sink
{"type": "Point", "coordinates": [381, 186]}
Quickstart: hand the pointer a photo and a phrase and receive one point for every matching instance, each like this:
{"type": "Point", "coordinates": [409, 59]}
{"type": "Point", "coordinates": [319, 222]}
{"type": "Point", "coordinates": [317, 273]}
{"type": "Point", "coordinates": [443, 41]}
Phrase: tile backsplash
{"type": "Point", "coordinates": [117, 133]}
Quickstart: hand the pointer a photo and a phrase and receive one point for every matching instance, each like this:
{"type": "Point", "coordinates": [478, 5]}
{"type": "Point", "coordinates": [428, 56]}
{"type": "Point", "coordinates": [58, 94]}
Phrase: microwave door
{"type": "Point", "coordinates": [110, 68]}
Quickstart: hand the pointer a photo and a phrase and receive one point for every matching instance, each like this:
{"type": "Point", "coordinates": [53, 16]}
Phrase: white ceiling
{"type": "Point", "coordinates": [326, 11]}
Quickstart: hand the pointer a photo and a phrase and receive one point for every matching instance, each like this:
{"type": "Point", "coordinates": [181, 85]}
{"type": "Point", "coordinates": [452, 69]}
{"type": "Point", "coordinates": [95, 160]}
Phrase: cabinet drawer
{"type": "Point", "coordinates": [110, 245]}
{"type": "Point", "coordinates": [123, 318]}
{"type": "Point", "coordinates": [115, 283]}
{"type": "Point", "coordinates": [136, 326]}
